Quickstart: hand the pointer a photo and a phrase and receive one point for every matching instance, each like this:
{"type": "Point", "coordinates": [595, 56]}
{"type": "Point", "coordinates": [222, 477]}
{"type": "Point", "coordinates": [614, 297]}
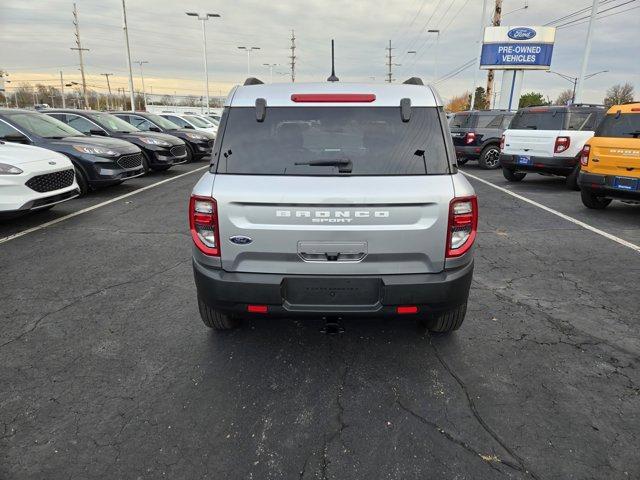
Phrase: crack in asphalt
{"type": "Point", "coordinates": [42, 318]}
{"type": "Point", "coordinates": [522, 464]}
{"type": "Point", "coordinates": [340, 422]}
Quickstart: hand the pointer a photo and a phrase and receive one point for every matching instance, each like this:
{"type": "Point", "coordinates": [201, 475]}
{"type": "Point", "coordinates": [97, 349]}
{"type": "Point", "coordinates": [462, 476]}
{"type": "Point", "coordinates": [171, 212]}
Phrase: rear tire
{"type": "Point", "coordinates": [449, 320]}
{"type": "Point", "coordinates": [590, 200]}
{"type": "Point", "coordinates": [572, 180]}
{"type": "Point", "coordinates": [214, 319]}
{"type": "Point", "coordinates": [513, 176]}
{"type": "Point", "coordinates": [490, 157]}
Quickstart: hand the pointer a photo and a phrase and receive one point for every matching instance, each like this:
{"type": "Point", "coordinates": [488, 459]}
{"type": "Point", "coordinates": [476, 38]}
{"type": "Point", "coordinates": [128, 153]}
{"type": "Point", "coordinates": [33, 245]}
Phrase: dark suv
{"type": "Point", "coordinates": [476, 135]}
{"type": "Point", "coordinates": [160, 151]}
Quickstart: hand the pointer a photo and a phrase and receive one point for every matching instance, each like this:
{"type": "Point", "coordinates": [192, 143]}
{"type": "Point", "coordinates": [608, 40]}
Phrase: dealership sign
{"type": "Point", "coordinates": [517, 48]}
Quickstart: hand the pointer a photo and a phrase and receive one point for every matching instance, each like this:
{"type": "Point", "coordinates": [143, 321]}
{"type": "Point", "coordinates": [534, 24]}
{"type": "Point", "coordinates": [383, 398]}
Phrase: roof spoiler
{"type": "Point", "coordinates": [253, 81]}
{"type": "Point", "coordinates": [413, 81]}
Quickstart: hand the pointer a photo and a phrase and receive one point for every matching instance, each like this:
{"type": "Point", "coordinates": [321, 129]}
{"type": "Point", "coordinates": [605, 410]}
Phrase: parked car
{"type": "Point", "coordinates": [333, 200]}
{"type": "Point", "coordinates": [548, 140]}
{"type": "Point", "coordinates": [214, 118]}
{"type": "Point", "coordinates": [476, 135]}
{"type": "Point", "coordinates": [610, 161]}
{"type": "Point", "coordinates": [199, 144]}
{"type": "Point", "coordinates": [160, 151]}
{"type": "Point", "coordinates": [33, 178]}
{"type": "Point", "coordinates": [98, 161]}
{"type": "Point", "coordinates": [191, 122]}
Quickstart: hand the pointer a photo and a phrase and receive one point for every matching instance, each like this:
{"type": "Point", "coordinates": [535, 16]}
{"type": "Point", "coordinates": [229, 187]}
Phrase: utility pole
{"type": "Point", "coordinates": [587, 51]}
{"type": "Point", "coordinates": [64, 102]}
{"type": "Point", "coordinates": [108, 87]}
{"type": "Point", "coordinates": [144, 91]}
{"type": "Point", "coordinates": [79, 48]}
{"type": "Point", "coordinates": [497, 15]}
{"type": "Point", "coordinates": [477, 67]}
{"type": "Point", "coordinates": [293, 56]}
{"type": "Point", "coordinates": [126, 37]}
{"type": "Point", "coordinates": [390, 63]}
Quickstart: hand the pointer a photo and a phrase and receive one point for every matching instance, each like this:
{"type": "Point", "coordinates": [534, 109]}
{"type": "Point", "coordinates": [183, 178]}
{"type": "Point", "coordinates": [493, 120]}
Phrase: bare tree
{"type": "Point", "coordinates": [564, 97]}
{"type": "Point", "coordinates": [619, 93]}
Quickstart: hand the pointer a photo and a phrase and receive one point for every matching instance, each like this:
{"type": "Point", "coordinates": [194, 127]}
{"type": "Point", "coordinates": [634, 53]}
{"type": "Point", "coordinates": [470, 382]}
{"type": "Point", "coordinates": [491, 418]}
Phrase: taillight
{"type": "Point", "coordinates": [463, 225]}
{"type": "Point", "coordinates": [584, 156]}
{"type": "Point", "coordinates": [502, 143]}
{"type": "Point", "coordinates": [203, 222]}
{"type": "Point", "coordinates": [470, 138]}
{"type": "Point", "coordinates": [562, 143]}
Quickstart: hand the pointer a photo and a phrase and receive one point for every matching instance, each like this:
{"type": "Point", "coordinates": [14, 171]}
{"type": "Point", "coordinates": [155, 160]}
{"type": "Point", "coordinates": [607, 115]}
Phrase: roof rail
{"type": "Point", "coordinates": [413, 81]}
{"type": "Point", "coordinates": [252, 81]}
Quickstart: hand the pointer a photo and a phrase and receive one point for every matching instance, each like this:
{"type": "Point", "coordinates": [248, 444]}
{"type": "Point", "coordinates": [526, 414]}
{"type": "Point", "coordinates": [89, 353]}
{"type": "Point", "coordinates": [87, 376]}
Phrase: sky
{"type": "Point", "coordinates": [36, 36]}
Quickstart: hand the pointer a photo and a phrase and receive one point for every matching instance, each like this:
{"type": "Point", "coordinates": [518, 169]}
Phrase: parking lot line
{"type": "Point", "coordinates": [94, 207]}
{"type": "Point", "coordinates": [575, 221]}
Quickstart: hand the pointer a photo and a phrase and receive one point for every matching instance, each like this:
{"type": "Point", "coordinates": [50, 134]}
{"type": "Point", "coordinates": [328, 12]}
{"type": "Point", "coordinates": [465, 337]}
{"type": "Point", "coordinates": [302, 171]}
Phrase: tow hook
{"type": "Point", "coordinates": [332, 326]}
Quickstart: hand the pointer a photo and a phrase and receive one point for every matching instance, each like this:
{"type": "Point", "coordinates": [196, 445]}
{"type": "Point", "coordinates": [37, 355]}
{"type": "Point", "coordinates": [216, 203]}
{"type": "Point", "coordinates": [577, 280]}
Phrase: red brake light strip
{"type": "Point", "coordinates": [333, 97]}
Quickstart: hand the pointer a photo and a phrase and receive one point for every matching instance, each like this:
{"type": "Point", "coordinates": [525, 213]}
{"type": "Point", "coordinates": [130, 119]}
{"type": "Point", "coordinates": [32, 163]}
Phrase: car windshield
{"type": "Point", "coordinates": [543, 119]}
{"type": "Point", "coordinates": [112, 123]}
{"type": "Point", "coordinates": [162, 122]}
{"type": "Point", "coordinates": [461, 120]}
{"type": "Point", "coordinates": [624, 125]}
{"type": "Point", "coordinates": [197, 121]}
{"type": "Point", "coordinates": [44, 125]}
{"type": "Point", "coordinates": [333, 141]}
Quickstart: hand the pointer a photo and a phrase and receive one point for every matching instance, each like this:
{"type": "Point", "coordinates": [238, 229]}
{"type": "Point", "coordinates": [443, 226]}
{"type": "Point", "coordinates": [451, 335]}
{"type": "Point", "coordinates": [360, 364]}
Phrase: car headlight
{"type": "Point", "coordinates": [154, 141]}
{"type": "Point", "coordinates": [195, 136]}
{"type": "Point", "coordinates": [100, 151]}
{"type": "Point", "coordinates": [6, 169]}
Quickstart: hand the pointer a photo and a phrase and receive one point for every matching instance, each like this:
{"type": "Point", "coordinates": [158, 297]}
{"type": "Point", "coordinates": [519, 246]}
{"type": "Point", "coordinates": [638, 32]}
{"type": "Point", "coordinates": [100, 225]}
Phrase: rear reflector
{"type": "Point", "coordinates": [333, 97]}
{"type": "Point", "coordinates": [406, 310]}
{"type": "Point", "coordinates": [257, 308]}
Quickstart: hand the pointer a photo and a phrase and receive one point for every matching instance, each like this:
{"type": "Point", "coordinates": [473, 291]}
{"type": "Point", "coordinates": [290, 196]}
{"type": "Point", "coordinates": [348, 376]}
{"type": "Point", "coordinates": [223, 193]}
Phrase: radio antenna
{"type": "Point", "coordinates": [333, 77]}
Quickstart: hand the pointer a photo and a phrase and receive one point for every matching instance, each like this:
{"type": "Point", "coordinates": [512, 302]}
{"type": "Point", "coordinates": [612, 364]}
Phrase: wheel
{"type": "Point", "coordinates": [448, 321]}
{"type": "Point", "coordinates": [82, 182]}
{"type": "Point", "coordinates": [572, 180]}
{"type": "Point", "coordinates": [490, 157]}
{"type": "Point", "coordinates": [190, 155]}
{"type": "Point", "coordinates": [512, 175]}
{"type": "Point", "coordinates": [590, 200]}
{"type": "Point", "coordinates": [215, 319]}
{"type": "Point", "coordinates": [462, 161]}
{"type": "Point", "coordinates": [163, 168]}
{"type": "Point", "coordinates": [145, 163]}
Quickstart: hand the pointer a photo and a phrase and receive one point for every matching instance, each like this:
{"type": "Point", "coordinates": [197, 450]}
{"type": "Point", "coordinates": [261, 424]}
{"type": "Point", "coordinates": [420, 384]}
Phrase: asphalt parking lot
{"type": "Point", "coordinates": [108, 372]}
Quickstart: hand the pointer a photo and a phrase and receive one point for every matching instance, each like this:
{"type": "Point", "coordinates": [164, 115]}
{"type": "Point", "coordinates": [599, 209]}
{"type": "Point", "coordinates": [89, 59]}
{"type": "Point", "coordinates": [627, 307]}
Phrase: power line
{"type": "Point", "coordinates": [598, 14]}
{"type": "Point", "coordinates": [603, 16]}
{"type": "Point", "coordinates": [577, 12]}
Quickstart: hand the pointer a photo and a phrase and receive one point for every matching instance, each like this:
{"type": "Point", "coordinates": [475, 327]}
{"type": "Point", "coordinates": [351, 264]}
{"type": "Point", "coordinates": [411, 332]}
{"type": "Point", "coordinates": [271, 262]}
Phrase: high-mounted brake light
{"type": "Point", "coordinates": [463, 225]}
{"type": "Point", "coordinates": [203, 223]}
{"type": "Point", "coordinates": [635, 109]}
{"type": "Point", "coordinates": [562, 144]}
{"type": "Point", "coordinates": [470, 138]}
{"type": "Point", "coordinates": [333, 97]}
{"type": "Point", "coordinates": [539, 110]}
{"type": "Point", "coordinates": [502, 143]}
{"type": "Point", "coordinates": [584, 155]}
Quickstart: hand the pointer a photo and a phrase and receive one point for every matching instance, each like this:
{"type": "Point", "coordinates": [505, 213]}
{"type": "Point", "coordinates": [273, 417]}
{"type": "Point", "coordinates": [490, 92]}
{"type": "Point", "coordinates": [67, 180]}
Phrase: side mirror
{"type": "Point", "coordinates": [16, 138]}
{"type": "Point", "coordinates": [97, 131]}
{"type": "Point", "coordinates": [190, 127]}
{"type": "Point", "coordinates": [154, 129]}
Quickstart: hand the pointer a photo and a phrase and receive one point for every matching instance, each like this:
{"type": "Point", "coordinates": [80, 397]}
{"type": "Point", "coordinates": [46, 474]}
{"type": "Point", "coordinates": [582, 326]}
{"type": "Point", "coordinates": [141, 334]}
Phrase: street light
{"type": "Point", "coordinates": [435, 65]}
{"type": "Point", "coordinates": [249, 50]}
{"type": "Point", "coordinates": [270, 65]}
{"type": "Point", "coordinates": [574, 80]}
{"type": "Point", "coordinates": [144, 92]}
{"type": "Point", "coordinates": [203, 18]}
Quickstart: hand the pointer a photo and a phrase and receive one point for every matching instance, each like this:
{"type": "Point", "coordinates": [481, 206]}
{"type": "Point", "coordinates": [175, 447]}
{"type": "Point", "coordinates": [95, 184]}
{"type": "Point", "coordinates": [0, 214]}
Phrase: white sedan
{"type": "Point", "coordinates": [193, 122]}
{"type": "Point", "coordinates": [33, 178]}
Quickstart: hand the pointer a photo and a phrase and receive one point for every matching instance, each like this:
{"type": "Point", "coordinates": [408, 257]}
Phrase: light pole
{"type": "Point", "coordinates": [144, 91]}
{"type": "Point", "coordinates": [126, 37]}
{"type": "Point", "coordinates": [270, 65]}
{"type": "Point", "coordinates": [587, 50]}
{"type": "Point", "coordinates": [435, 63]}
{"type": "Point", "coordinates": [203, 18]}
{"type": "Point", "coordinates": [249, 50]}
{"type": "Point", "coordinates": [574, 80]}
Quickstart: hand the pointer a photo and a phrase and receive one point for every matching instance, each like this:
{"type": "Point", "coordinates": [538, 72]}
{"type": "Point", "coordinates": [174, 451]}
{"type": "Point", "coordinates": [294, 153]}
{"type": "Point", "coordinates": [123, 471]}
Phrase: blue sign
{"type": "Point", "coordinates": [521, 33]}
{"type": "Point", "coordinates": [516, 54]}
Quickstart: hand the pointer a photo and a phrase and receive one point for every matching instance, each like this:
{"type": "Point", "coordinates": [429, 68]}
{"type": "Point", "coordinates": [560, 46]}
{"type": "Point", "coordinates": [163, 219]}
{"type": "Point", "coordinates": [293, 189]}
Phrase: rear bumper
{"type": "Point", "coordinates": [554, 165]}
{"type": "Point", "coordinates": [471, 152]}
{"type": "Point", "coordinates": [603, 185]}
{"type": "Point", "coordinates": [231, 292]}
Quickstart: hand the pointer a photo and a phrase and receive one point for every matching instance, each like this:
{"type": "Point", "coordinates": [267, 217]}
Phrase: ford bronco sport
{"type": "Point", "coordinates": [333, 200]}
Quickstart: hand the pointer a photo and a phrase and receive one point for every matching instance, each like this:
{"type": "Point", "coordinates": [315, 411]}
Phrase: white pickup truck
{"type": "Point", "coordinates": [548, 140]}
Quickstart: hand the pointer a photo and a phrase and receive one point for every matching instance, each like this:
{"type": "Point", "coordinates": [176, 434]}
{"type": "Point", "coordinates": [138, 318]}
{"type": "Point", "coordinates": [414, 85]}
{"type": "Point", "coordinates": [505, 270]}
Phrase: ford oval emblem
{"type": "Point", "coordinates": [52, 162]}
{"type": "Point", "coordinates": [241, 240]}
{"type": "Point", "coordinates": [521, 33]}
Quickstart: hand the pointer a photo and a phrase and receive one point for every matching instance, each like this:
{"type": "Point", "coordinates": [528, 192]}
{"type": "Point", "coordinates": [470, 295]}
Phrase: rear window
{"type": "Point", "coordinates": [333, 141]}
{"type": "Point", "coordinates": [488, 121]}
{"type": "Point", "coordinates": [624, 125]}
{"type": "Point", "coordinates": [462, 120]}
{"type": "Point", "coordinates": [538, 120]}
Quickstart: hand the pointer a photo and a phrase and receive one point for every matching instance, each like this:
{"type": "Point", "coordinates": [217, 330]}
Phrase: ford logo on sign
{"type": "Point", "coordinates": [521, 33]}
{"type": "Point", "coordinates": [241, 240]}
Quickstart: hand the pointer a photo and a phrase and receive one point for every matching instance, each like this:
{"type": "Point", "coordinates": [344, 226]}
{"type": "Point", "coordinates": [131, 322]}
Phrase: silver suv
{"type": "Point", "coordinates": [333, 200]}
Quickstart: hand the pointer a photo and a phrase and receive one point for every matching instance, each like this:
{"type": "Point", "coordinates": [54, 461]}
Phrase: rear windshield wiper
{"type": "Point", "coordinates": [344, 165]}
